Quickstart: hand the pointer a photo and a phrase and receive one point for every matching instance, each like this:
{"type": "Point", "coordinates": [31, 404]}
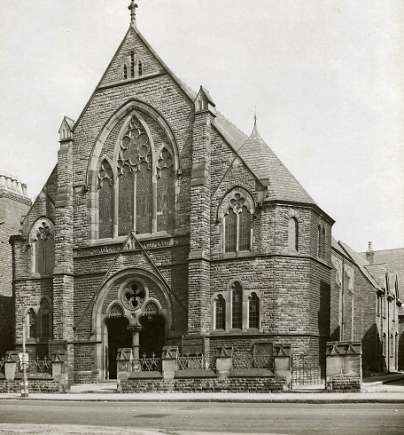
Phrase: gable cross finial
{"type": "Point", "coordinates": [132, 7]}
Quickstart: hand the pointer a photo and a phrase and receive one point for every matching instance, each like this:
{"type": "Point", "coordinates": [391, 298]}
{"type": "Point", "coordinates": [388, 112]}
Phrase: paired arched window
{"type": "Point", "coordinates": [139, 193]}
{"type": "Point", "coordinates": [244, 309]}
{"type": "Point", "coordinates": [43, 247]}
{"type": "Point", "coordinates": [236, 211]}
{"type": "Point", "coordinates": [293, 234]}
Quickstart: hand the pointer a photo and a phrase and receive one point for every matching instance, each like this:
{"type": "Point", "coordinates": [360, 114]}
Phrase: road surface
{"type": "Point", "coordinates": [188, 417]}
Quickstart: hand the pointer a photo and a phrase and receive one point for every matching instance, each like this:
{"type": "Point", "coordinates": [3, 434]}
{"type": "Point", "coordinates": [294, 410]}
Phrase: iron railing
{"type": "Point", "coordinates": [191, 362]}
{"type": "Point", "coordinates": [37, 365]}
{"type": "Point", "coordinates": [306, 371]}
{"type": "Point", "coordinates": [148, 364]}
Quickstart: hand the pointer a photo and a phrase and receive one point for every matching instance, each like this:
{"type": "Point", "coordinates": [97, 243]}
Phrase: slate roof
{"type": "Point", "coordinates": [363, 265]}
{"type": "Point", "coordinates": [394, 258]}
{"type": "Point", "coordinates": [266, 165]}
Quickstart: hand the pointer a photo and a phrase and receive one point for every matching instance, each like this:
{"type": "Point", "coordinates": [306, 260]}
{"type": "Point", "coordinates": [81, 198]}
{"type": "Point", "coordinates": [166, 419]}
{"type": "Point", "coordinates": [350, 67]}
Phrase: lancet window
{"type": "Point", "coordinates": [220, 312]}
{"type": "Point", "coordinates": [253, 311]}
{"type": "Point", "coordinates": [43, 247]}
{"type": "Point", "coordinates": [237, 211]}
{"type": "Point", "coordinates": [30, 324]}
{"type": "Point", "coordinates": [237, 306]}
{"type": "Point", "coordinates": [44, 326]}
{"type": "Point", "coordinates": [293, 234]}
{"type": "Point", "coordinates": [138, 193]}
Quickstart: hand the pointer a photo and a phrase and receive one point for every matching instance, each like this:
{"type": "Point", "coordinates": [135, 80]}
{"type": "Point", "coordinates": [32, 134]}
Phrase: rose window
{"type": "Point", "coordinates": [133, 296]}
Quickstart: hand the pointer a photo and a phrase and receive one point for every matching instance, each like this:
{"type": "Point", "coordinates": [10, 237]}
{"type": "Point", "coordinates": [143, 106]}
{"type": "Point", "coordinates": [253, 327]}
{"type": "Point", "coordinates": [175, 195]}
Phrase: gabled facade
{"type": "Point", "coordinates": [163, 224]}
{"type": "Point", "coordinates": [365, 306]}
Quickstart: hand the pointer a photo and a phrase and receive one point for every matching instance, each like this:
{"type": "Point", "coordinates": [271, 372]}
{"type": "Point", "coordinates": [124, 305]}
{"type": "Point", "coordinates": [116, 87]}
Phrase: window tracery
{"type": "Point", "coordinates": [133, 296]}
{"type": "Point", "coordinates": [237, 211]}
{"type": "Point", "coordinates": [143, 188]}
{"type": "Point", "coordinates": [42, 242]}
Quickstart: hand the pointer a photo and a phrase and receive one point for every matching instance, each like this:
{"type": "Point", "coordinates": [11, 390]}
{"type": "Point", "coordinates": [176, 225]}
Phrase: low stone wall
{"type": "Point", "coordinates": [204, 384]}
{"type": "Point", "coordinates": [34, 386]}
{"type": "Point", "coordinates": [344, 384]}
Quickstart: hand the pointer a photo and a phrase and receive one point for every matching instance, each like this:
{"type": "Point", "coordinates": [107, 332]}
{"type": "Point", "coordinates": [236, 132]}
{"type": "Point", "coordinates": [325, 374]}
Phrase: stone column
{"type": "Point", "coordinates": [135, 330]}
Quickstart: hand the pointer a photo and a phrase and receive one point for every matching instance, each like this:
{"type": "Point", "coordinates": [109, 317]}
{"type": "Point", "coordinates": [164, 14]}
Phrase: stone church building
{"type": "Point", "coordinates": [163, 224]}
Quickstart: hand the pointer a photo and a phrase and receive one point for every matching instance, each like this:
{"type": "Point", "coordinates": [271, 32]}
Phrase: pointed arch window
{"type": "Point", "coordinates": [165, 191]}
{"type": "Point", "coordinates": [30, 324]}
{"type": "Point", "coordinates": [237, 306]}
{"type": "Point", "coordinates": [138, 194]}
{"type": "Point", "coordinates": [43, 247]}
{"type": "Point", "coordinates": [293, 234]}
{"type": "Point", "coordinates": [253, 311]}
{"type": "Point", "coordinates": [106, 200]}
{"type": "Point", "coordinates": [237, 211]}
{"type": "Point", "coordinates": [220, 312]}
{"type": "Point", "coordinates": [44, 319]}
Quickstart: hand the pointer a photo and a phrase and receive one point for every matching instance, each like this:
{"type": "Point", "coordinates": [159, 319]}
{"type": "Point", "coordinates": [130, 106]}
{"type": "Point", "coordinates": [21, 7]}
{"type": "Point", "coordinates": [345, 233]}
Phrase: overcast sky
{"type": "Point", "coordinates": [323, 74]}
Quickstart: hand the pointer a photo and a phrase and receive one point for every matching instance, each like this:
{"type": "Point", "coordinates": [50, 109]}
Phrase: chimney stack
{"type": "Point", "coordinates": [370, 254]}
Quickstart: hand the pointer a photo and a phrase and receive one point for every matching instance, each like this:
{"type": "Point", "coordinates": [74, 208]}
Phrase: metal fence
{"type": "Point", "coordinates": [148, 364]}
{"type": "Point", "coordinates": [37, 365]}
{"type": "Point", "coordinates": [191, 362]}
{"type": "Point", "coordinates": [307, 372]}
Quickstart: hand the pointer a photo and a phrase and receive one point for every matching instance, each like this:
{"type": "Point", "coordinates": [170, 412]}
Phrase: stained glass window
{"type": "Point", "coordinates": [165, 200]}
{"type": "Point", "coordinates": [237, 306]}
{"type": "Point", "coordinates": [293, 234]}
{"type": "Point", "coordinates": [231, 231]}
{"type": "Point", "coordinates": [144, 200]}
{"type": "Point", "coordinates": [253, 311]}
{"type": "Point", "coordinates": [105, 201]}
{"type": "Point", "coordinates": [220, 314]}
{"type": "Point", "coordinates": [245, 221]}
{"type": "Point", "coordinates": [126, 201]}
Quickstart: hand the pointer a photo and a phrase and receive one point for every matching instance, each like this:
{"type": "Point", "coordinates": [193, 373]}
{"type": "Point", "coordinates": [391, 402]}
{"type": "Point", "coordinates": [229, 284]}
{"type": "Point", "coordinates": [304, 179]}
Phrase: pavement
{"type": "Point", "coordinates": [381, 389]}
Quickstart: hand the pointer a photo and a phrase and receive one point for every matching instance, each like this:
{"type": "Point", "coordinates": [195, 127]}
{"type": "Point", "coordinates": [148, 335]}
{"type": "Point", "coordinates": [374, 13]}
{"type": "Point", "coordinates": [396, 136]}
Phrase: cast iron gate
{"type": "Point", "coordinates": [307, 372]}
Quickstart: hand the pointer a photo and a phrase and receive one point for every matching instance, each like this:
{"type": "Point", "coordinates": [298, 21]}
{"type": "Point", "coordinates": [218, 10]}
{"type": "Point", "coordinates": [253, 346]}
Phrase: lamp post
{"type": "Point", "coordinates": [24, 361]}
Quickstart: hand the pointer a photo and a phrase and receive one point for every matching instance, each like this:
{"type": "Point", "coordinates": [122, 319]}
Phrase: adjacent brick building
{"type": "Point", "coordinates": [14, 203]}
{"type": "Point", "coordinates": [162, 223]}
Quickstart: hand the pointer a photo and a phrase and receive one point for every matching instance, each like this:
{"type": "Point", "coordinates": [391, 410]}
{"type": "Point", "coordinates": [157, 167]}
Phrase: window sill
{"type": "Point", "coordinates": [238, 254]}
{"type": "Point", "coordinates": [141, 237]}
{"type": "Point", "coordinates": [236, 332]}
{"type": "Point", "coordinates": [36, 275]}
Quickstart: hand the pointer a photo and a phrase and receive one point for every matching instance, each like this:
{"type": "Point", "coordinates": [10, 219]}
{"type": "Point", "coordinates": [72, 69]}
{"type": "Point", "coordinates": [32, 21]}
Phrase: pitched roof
{"type": "Point", "coordinates": [362, 264]}
{"type": "Point", "coordinates": [266, 165]}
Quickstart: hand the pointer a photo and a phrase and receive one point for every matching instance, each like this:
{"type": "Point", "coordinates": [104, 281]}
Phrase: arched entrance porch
{"type": "Point", "coordinates": [132, 310]}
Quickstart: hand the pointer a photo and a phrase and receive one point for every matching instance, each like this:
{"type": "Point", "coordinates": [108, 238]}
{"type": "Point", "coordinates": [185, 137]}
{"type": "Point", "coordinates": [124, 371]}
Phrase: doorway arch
{"type": "Point", "coordinates": [152, 335]}
{"type": "Point", "coordinates": [118, 337]}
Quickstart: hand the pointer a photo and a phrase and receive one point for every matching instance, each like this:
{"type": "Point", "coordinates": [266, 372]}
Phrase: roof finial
{"type": "Point", "coordinates": [255, 129]}
{"type": "Point", "coordinates": [132, 7]}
